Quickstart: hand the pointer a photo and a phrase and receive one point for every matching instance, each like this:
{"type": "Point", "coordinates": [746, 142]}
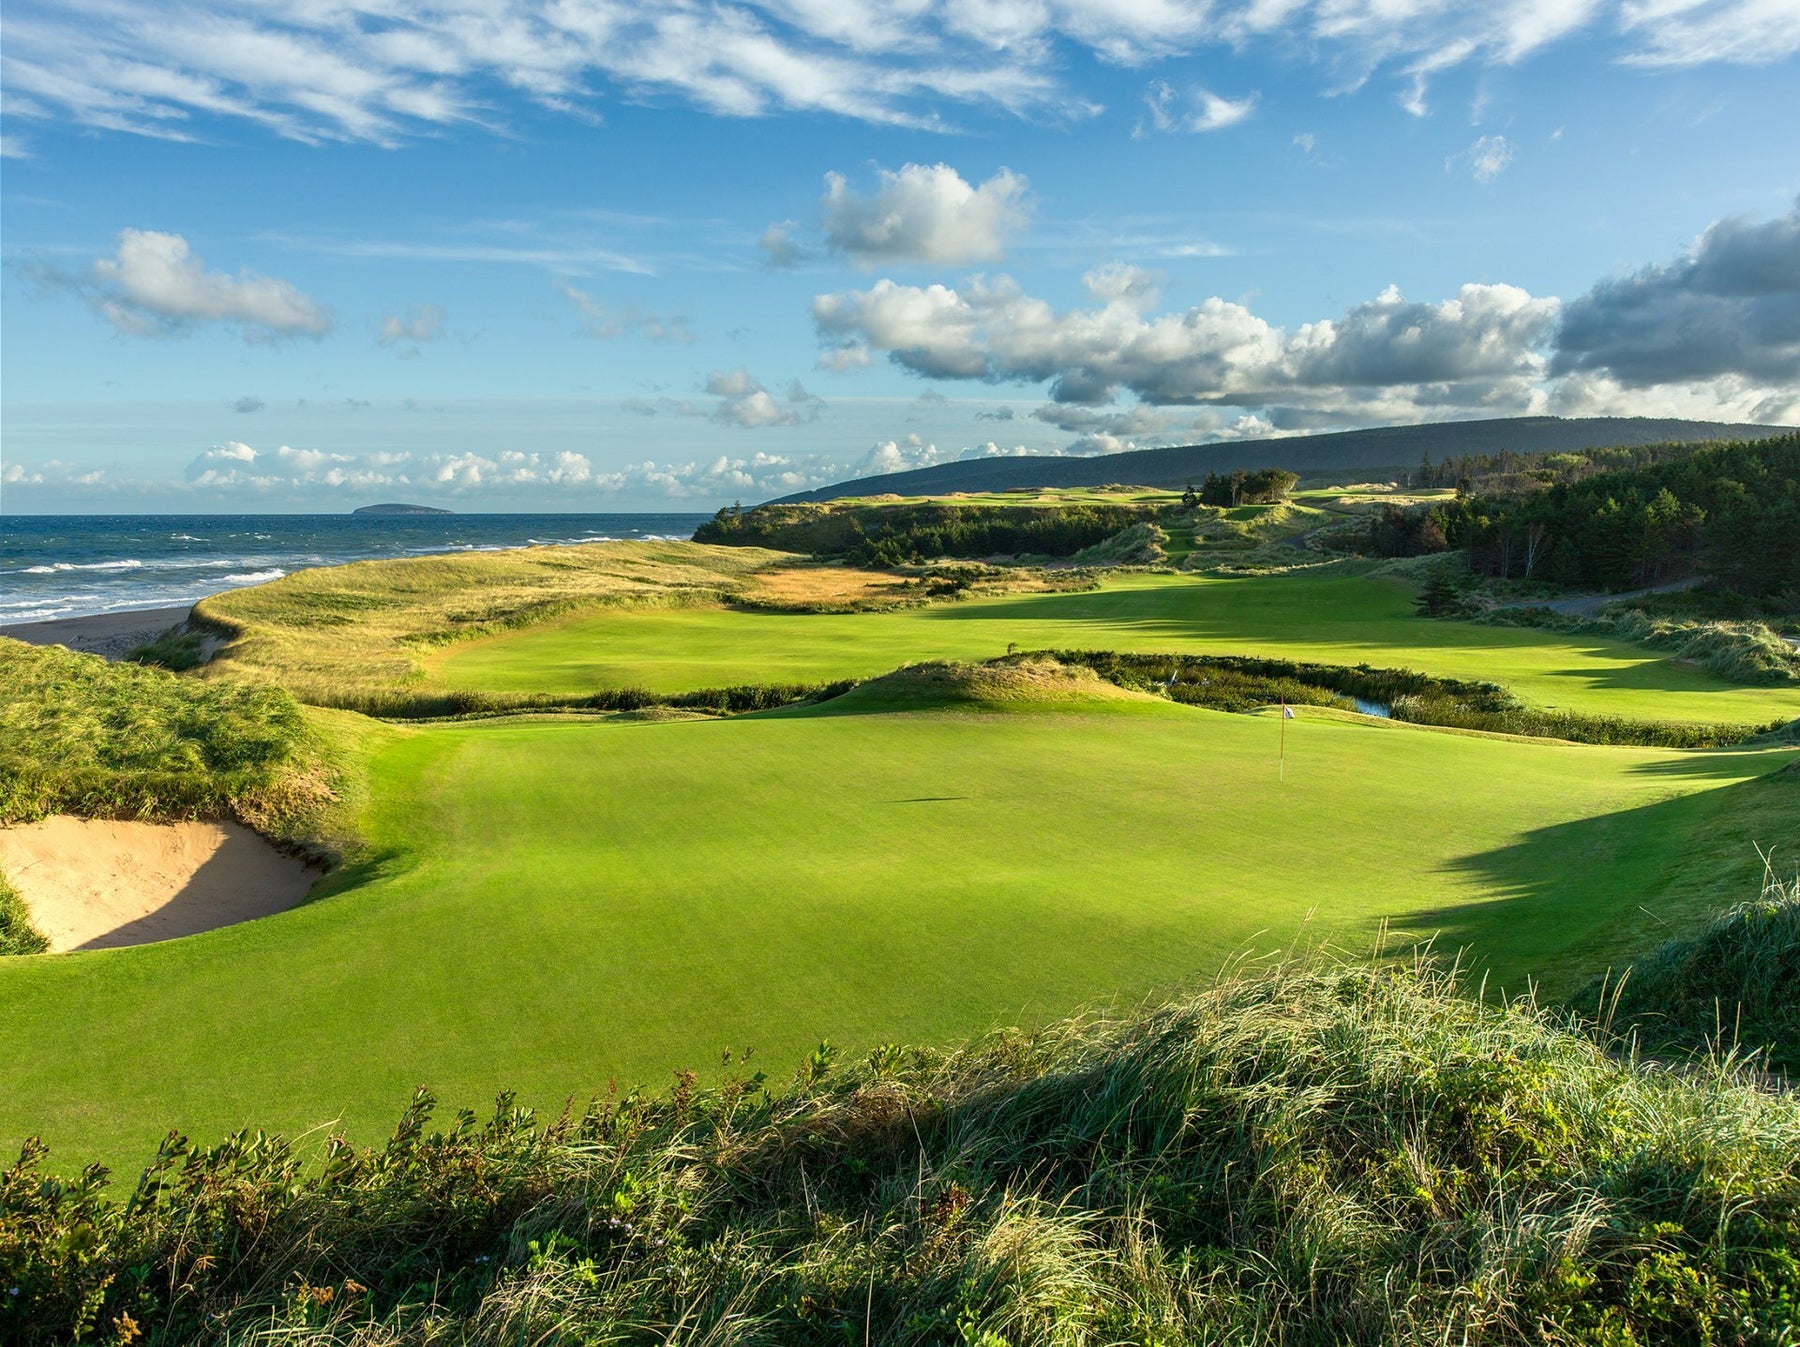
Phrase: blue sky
{"type": "Point", "coordinates": [593, 255]}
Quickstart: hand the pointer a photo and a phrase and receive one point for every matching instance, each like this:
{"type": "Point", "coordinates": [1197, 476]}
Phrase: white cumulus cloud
{"type": "Point", "coordinates": [1477, 346]}
{"type": "Point", "coordinates": [1730, 308]}
{"type": "Point", "coordinates": [745, 403]}
{"type": "Point", "coordinates": [924, 213]}
{"type": "Point", "coordinates": [154, 284]}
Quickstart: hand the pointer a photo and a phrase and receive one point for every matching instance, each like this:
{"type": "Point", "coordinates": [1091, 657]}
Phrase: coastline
{"type": "Point", "coordinates": [107, 634]}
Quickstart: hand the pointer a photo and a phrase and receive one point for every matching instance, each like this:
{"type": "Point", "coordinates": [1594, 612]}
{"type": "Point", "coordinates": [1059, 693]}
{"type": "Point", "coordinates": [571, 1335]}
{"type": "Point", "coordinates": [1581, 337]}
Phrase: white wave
{"type": "Point", "coordinates": [185, 538]}
{"type": "Point", "coordinates": [56, 566]}
{"type": "Point", "coordinates": [255, 577]}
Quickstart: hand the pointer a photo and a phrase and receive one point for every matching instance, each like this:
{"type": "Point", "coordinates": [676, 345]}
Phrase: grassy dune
{"type": "Point", "coordinates": [359, 636]}
{"type": "Point", "coordinates": [1334, 617]}
{"type": "Point", "coordinates": [337, 629]}
{"type": "Point", "coordinates": [544, 905]}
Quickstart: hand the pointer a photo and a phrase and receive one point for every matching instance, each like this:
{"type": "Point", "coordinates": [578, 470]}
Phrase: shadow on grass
{"type": "Point", "coordinates": [1720, 763]}
{"type": "Point", "coordinates": [1333, 614]}
{"type": "Point", "coordinates": [1579, 898]}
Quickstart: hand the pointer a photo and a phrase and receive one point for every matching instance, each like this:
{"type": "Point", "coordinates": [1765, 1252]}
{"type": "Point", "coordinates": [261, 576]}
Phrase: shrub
{"type": "Point", "coordinates": [1244, 683]}
{"type": "Point", "coordinates": [894, 534]}
{"type": "Point", "coordinates": [17, 934]}
{"type": "Point", "coordinates": [1738, 652]}
{"type": "Point", "coordinates": [1140, 545]}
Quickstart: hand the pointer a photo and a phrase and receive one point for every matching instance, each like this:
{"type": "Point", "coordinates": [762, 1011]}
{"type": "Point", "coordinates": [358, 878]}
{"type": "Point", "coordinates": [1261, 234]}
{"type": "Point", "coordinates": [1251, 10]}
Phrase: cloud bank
{"type": "Point", "coordinates": [1717, 332]}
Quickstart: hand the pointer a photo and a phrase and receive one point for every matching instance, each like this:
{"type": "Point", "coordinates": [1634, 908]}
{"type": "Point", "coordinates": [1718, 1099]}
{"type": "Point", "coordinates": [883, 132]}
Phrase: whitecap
{"type": "Point", "coordinates": [255, 577]}
{"type": "Point", "coordinates": [56, 566]}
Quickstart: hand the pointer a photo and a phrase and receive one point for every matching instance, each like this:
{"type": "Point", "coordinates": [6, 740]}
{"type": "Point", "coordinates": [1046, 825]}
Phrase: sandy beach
{"type": "Point", "coordinates": [108, 634]}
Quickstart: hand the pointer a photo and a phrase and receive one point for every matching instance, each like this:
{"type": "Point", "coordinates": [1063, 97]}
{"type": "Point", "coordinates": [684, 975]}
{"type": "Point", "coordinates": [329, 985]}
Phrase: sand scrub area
{"type": "Point", "coordinates": [102, 883]}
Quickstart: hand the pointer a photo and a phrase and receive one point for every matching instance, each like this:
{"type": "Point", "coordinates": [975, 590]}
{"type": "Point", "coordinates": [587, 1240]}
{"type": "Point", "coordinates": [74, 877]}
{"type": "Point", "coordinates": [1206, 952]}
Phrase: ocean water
{"type": "Point", "coordinates": [55, 566]}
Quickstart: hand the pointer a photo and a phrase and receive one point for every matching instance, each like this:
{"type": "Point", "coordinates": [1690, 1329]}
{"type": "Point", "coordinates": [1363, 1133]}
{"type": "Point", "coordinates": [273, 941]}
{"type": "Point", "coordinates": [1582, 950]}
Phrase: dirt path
{"type": "Point", "coordinates": [101, 883]}
{"type": "Point", "coordinates": [1586, 605]}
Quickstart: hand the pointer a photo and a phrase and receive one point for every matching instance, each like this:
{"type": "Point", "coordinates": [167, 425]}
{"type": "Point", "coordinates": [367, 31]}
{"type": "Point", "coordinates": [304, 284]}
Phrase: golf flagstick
{"type": "Point", "coordinates": [1281, 756]}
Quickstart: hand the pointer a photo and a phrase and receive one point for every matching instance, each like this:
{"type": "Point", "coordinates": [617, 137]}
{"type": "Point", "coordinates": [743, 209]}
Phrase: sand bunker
{"type": "Point", "coordinates": [98, 884]}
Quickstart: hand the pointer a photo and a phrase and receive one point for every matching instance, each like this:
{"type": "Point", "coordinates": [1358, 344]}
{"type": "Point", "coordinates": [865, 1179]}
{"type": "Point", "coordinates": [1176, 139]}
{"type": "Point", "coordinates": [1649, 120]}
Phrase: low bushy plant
{"type": "Point", "coordinates": [1746, 652]}
{"type": "Point", "coordinates": [17, 934]}
{"type": "Point", "coordinates": [1143, 544]}
{"type": "Point", "coordinates": [1309, 1153]}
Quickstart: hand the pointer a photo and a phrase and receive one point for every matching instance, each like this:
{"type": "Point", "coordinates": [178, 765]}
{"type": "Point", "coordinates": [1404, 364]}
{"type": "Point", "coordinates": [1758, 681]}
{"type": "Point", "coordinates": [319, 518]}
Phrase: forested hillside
{"type": "Point", "coordinates": [892, 534]}
{"type": "Point", "coordinates": [1380, 451]}
{"type": "Point", "coordinates": [1731, 511]}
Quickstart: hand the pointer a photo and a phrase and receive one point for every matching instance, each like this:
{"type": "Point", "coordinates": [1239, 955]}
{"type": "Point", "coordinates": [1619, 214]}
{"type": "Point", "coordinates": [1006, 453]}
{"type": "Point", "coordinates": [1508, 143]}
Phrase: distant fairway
{"type": "Point", "coordinates": [1335, 618]}
{"type": "Point", "coordinates": [559, 902]}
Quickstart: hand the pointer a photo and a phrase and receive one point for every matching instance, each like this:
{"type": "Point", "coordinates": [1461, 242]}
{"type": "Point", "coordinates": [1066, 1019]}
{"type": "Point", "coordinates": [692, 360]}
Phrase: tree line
{"type": "Point", "coordinates": [1729, 510]}
{"type": "Point", "coordinates": [899, 533]}
{"type": "Point", "coordinates": [1227, 490]}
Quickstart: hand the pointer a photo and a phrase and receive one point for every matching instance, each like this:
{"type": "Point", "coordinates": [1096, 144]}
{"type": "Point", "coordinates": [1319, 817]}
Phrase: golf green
{"type": "Point", "coordinates": [555, 904]}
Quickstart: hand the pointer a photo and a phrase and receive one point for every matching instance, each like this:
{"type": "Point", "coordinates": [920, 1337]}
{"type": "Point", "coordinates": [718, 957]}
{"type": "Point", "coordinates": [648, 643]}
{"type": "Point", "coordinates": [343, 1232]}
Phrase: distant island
{"type": "Point", "coordinates": [400, 509]}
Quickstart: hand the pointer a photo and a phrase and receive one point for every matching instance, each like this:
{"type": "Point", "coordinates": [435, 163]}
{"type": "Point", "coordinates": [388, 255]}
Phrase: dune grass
{"type": "Point", "coordinates": [1330, 615]}
{"type": "Point", "coordinates": [542, 906]}
{"type": "Point", "coordinates": [1729, 986]}
{"type": "Point", "coordinates": [360, 636]}
{"type": "Point", "coordinates": [1308, 1154]}
{"type": "Point", "coordinates": [330, 633]}
{"type": "Point", "coordinates": [17, 934]}
{"type": "Point", "coordinates": [81, 735]}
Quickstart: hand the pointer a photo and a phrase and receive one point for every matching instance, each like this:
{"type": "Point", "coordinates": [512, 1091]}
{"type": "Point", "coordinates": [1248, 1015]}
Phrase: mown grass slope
{"type": "Point", "coordinates": [544, 905]}
{"type": "Point", "coordinates": [1336, 615]}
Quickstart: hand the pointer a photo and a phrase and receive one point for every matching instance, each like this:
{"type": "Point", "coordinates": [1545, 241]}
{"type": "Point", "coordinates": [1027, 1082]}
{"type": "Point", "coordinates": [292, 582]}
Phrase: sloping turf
{"type": "Point", "coordinates": [560, 902]}
{"type": "Point", "coordinates": [1335, 618]}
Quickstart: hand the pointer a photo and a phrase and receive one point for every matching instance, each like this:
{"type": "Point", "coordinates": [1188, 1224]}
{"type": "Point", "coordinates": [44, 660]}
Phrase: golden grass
{"type": "Point", "coordinates": [1026, 683]}
{"type": "Point", "coordinates": [332, 633]}
{"type": "Point", "coordinates": [811, 587]}
{"type": "Point", "coordinates": [362, 634]}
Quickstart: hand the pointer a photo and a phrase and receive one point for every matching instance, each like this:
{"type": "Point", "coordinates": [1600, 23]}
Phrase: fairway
{"type": "Point", "coordinates": [1333, 618]}
{"type": "Point", "coordinates": [556, 903]}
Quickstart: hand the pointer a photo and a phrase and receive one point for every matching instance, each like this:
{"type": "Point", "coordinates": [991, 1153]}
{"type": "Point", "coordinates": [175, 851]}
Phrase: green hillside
{"type": "Point", "coordinates": [1388, 450]}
